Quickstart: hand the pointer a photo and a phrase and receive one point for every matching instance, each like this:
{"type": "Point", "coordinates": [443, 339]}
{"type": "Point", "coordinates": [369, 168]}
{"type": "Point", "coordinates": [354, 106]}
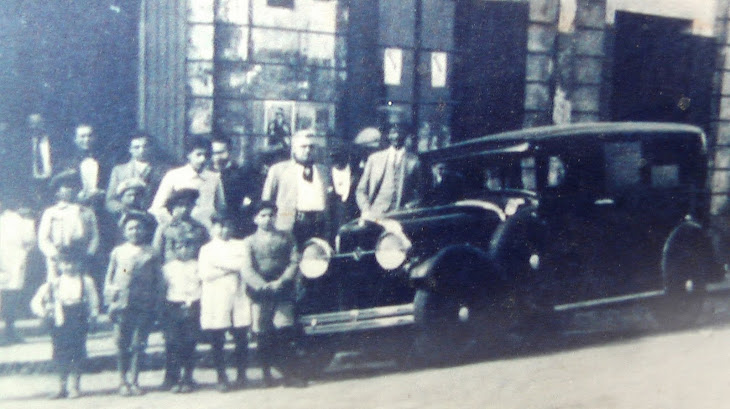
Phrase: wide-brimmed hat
{"type": "Point", "coordinates": [182, 196]}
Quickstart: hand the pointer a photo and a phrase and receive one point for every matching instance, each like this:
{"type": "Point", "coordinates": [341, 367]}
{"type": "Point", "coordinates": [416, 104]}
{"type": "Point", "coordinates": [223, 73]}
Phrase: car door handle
{"type": "Point", "coordinates": [604, 202]}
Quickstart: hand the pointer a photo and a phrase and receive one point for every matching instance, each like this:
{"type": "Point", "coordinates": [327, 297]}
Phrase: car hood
{"type": "Point", "coordinates": [470, 221]}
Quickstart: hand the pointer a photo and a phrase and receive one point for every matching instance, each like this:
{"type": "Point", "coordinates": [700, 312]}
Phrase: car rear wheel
{"type": "Point", "coordinates": [686, 263]}
{"type": "Point", "coordinates": [445, 330]}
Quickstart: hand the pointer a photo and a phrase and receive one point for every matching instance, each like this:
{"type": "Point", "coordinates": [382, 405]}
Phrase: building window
{"type": "Point", "coordinates": [287, 4]}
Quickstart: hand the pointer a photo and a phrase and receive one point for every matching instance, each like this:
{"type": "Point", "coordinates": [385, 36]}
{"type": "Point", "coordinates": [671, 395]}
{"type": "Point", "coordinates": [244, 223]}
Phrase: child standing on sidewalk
{"type": "Point", "coordinates": [70, 301]}
{"type": "Point", "coordinates": [167, 236]}
{"type": "Point", "coordinates": [132, 290]}
{"type": "Point", "coordinates": [270, 264]}
{"type": "Point", "coordinates": [181, 312]}
{"type": "Point", "coordinates": [224, 305]}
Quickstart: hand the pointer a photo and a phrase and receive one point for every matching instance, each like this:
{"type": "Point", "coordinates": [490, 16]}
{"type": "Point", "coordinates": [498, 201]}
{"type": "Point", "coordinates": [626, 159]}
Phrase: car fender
{"type": "Point", "coordinates": [688, 253]}
{"type": "Point", "coordinates": [464, 269]}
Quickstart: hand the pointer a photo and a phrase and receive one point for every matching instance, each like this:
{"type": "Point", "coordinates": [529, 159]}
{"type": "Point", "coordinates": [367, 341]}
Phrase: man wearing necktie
{"type": "Point", "coordinates": [392, 178]}
{"type": "Point", "coordinates": [33, 168]}
{"type": "Point", "coordinates": [301, 190]}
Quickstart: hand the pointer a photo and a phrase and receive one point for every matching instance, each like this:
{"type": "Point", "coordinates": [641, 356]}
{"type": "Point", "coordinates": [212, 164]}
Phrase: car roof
{"type": "Point", "coordinates": [521, 140]}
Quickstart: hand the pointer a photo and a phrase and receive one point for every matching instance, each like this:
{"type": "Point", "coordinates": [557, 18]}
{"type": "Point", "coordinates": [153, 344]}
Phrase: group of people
{"type": "Point", "coordinates": [204, 246]}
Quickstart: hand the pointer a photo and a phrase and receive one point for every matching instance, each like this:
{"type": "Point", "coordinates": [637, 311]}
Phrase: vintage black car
{"type": "Point", "coordinates": [537, 221]}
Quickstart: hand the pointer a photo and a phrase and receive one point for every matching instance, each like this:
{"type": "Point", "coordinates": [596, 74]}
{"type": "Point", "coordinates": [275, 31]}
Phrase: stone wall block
{"type": "Point", "coordinates": [537, 118]}
{"type": "Point", "coordinates": [539, 67]}
{"type": "Point", "coordinates": [589, 43]}
{"type": "Point", "coordinates": [724, 108]}
{"type": "Point", "coordinates": [544, 11]}
{"type": "Point", "coordinates": [722, 130]}
{"type": "Point", "coordinates": [586, 99]}
{"type": "Point", "coordinates": [591, 13]}
{"type": "Point", "coordinates": [537, 97]}
{"type": "Point", "coordinates": [540, 38]}
{"type": "Point", "coordinates": [588, 70]}
{"type": "Point", "coordinates": [583, 117]}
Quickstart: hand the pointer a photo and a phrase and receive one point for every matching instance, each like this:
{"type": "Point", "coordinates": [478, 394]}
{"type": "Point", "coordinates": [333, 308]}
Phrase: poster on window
{"type": "Point", "coordinates": [278, 117]}
{"type": "Point", "coordinates": [317, 117]}
{"type": "Point", "coordinates": [438, 69]}
{"type": "Point", "coordinates": [393, 66]}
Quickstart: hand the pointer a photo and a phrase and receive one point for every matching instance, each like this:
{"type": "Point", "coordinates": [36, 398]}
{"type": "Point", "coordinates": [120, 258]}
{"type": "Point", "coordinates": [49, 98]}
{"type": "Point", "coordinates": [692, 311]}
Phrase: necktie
{"type": "Point", "coordinates": [307, 174]}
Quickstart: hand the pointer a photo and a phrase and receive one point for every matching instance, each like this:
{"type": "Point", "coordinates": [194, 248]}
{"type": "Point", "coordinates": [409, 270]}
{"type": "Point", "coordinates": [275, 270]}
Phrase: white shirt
{"type": "Point", "coordinates": [342, 181]}
{"type": "Point", "coordinates": [395, 155]}
{"type": "Point", "coordinates": [310, 195]}
{"type": "Point", "coordinates": [207, 183]}
{"type": "Point", "coordinates": [89, 169]}
{"type": "Point", "coordinates": [183, 281]}
{"type": "Point", "coordinates": [41, 157]}
{"type": "Point", "coordinates": [17, 237]}
{"type": "Point", "coordinates": [70, 289]}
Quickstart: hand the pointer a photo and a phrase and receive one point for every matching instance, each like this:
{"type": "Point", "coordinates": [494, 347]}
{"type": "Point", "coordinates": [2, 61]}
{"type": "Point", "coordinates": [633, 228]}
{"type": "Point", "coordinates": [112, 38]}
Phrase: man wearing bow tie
{"type": "Point", "coordinates": [301, 190]}
{"type": "Point", "coordinates": [91, 167]}
{"type": "Point", "coordinates": [142, 166]}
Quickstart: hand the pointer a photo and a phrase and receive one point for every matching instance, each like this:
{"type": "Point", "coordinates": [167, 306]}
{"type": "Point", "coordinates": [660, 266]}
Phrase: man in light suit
{"type": "Point", "coordinates": [141, 167]}
{"type": "Point", "coordinates": [392, 178]}
{"type": "Point", "coordinates": [301, 190]}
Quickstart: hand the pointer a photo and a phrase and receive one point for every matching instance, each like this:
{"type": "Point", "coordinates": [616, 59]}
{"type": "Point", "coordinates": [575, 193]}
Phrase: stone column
{"type": "Point", "coordinates": [720, 132]}
{"type": "Point", "coordinates": [588, 40]}
{"type": "Point", "coordinates": [541, 51]}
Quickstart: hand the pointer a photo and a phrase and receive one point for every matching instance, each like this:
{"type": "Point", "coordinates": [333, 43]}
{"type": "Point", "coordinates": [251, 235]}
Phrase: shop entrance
{"type": "Point", "coordinates": [489, 74]}
{"type": "Point", "coordinates": [661, 72]}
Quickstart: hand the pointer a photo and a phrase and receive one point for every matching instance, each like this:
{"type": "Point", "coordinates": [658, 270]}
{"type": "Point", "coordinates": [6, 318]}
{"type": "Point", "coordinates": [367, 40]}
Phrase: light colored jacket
{"type": "Point", "coordinates": [282, 185]}
{"type": "Point", "coordinates": [372, 185]}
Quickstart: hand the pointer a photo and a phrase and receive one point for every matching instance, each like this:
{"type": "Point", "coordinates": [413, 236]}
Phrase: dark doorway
{"type": "Point", "coordinates": [78, 62]}
{"type": "Point", "coordinates": [660, 71]}
{"type": "Point", "coordinates": [489, 75]}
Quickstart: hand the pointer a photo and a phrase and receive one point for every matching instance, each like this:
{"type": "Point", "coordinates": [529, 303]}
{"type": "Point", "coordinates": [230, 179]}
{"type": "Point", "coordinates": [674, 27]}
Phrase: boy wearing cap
{"type": "Point", "coordinates": [270, 261]}
{"type": "Point", "coordinates": [181, 314]}
{"type": "Point", "coordinates": [182, 227]}
{"type": "Point", "coordinates": [66, 224]}
{"type": "Point", "coordinates": [132, 291]}
{"type": "Point", "coordinates": [180, 205]}
{"type": "Point", "coordinates": [129, 195]}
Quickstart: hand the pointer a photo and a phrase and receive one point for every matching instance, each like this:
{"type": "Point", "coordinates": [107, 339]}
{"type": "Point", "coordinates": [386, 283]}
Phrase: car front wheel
{"type": "Point", "coordinates": [445, 328]}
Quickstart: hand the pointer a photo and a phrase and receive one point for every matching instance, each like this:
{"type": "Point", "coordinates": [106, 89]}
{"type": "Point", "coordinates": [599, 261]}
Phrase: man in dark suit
{"type": "Point", "coordinates": [446, 186]}
{"type": "Point", "coordinates": [142, 166]}
{"type": "Point", "coordinates": [241, 185]}
{"type": "Point", "coordinates": [392, 178]}
{"type": "Point", "coordinates": [91, 166]}
{"type": "Point", "coordinates": [32, 163]}
{"type": "Point", "coordinates": [345, 175]}
{"type": "Point", "coordinates": [301, 190]}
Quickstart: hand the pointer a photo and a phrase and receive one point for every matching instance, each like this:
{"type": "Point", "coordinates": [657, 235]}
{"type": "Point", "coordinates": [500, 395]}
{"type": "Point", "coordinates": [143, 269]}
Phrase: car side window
{"type": "Point", "coordinates": [623, 164]}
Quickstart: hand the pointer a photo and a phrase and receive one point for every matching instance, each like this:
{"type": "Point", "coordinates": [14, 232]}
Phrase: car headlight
{"type": "Point", "coordinates": [392, 250]}
{"type": "Point", "coordinates": [315, 258]}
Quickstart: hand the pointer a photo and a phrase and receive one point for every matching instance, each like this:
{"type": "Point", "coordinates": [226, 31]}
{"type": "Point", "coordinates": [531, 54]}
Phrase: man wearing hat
{"type": "Point", "coordinates": [66, 224]}
{"type": "Point", "coordinates": [301, 190]}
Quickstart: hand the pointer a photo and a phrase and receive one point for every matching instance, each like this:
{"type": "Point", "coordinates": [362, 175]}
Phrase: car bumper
{"type": "Point", "coordinates": [358, 320]}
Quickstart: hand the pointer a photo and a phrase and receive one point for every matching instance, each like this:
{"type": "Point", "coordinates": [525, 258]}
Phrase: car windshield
{"type": "Point", "coordinates": [497, 174]}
